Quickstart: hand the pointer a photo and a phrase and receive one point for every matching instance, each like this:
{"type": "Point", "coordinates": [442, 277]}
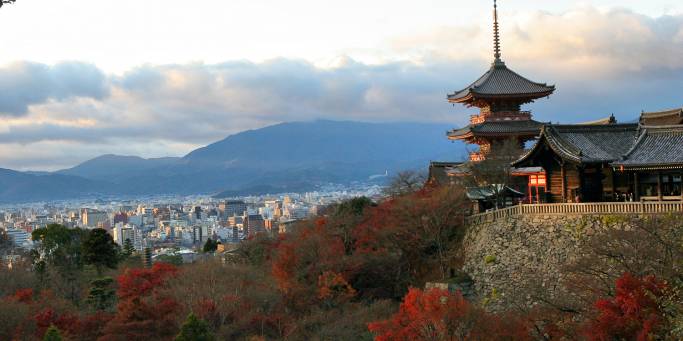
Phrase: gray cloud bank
{"type": "Point", "coordinates": [602, 62]}
{"type": "Point", "coordinates": [23, 84]}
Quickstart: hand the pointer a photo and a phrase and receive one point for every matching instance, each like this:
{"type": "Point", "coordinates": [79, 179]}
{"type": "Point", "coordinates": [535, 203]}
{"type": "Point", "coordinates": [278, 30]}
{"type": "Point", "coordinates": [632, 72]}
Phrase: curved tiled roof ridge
{"type": "Point", "coordinates": [642, 133]}
{"type": "Point", "coordinates": [658, 147]}
{"type": "Point", "coordinates": [586, 143]}
{"type": "Point", "coordinates": [603, 121]}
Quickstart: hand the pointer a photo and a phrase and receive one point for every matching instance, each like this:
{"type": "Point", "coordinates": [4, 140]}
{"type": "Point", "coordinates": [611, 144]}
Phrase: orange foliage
{"type": "Point", "coordinates": [333, 286]}
{"type": "Point", "coordinates": [302, 257]}
{"type": "Point", "coordinates": [23, 295]}
{"type": "Point", "coordinates": [144, 311]}
{"type": "Point", "coordinates": [440, 315]}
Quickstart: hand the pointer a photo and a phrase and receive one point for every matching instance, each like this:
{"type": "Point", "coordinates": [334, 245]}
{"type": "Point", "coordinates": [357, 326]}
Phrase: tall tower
{"type": "Point", "coordinates": [499, 94]}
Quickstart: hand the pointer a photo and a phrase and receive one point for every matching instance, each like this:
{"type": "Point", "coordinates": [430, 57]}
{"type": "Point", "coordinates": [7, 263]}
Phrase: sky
{"type": "Point", "coordinates": [153, 78]}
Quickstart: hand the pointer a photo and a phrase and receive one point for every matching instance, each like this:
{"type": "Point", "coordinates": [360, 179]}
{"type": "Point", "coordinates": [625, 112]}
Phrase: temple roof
{"type": "Point", "coordinates": [584, 143]}
{"type": "Point", "coordinates": [656, 147]}
{"type": "Point", "coordinates": [490, 192]}
{"type": "Point", "coordinates": [501, 82]}
{"type": "Point", "coordinates": [660, 118]}
{"type": "Point", "coordinates": [497, 128]}
{"type": "Point", "coordinates": [443, 173]}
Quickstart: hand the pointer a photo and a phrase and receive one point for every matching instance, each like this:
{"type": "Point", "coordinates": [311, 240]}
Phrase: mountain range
{"type": "Point", "coordinates": [287, 157]}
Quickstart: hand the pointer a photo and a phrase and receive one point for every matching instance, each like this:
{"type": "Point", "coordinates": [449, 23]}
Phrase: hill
{"type": "Point", "coordinates": [21, 187]}
{"type": "Point", "coordinates": [297, 155]}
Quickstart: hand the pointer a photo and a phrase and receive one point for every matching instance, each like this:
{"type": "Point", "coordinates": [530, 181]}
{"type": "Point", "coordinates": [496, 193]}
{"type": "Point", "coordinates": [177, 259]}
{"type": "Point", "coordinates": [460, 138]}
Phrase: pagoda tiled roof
{"type": "Point", "coordinates": [498, 128]}
{"type": "Point", "coordinates": [656, 147]}
{"type": "Point", "coordinates": [585, 143]}
{"type": "Point", "coordinates": [499, 81]}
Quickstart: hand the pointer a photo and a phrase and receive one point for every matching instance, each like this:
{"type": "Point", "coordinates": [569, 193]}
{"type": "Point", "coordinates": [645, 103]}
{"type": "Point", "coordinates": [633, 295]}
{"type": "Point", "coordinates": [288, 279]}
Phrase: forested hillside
{"type": "Point", "coordinates": [356, 272]}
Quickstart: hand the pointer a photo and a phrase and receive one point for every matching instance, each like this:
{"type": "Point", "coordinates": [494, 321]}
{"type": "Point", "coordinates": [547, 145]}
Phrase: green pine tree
{"type": "Point", "coordinates": [210, 246]}
{"type": "Point", "coordinates": [194, 329]}
{"type": "Point", "coordinates": [102, 294]}
{"type": "Point", "coordinates": [52, 334]}
{"type": "Point", "coordinates": [128, 248]}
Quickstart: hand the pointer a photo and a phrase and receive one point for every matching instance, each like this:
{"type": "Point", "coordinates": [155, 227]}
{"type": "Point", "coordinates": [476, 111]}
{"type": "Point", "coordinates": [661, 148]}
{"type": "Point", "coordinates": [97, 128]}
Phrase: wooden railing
{"type": "Point", "coordinates": [579, 209]}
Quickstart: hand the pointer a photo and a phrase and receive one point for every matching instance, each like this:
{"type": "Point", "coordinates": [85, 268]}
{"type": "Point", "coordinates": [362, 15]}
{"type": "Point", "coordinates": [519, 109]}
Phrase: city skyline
{"type": "Point", "coordinates": [166, 90]}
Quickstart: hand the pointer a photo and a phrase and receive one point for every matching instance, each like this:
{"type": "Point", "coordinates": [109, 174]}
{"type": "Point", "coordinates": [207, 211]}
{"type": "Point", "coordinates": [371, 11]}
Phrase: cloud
{"type": "Point", "coordinates": [602, 62]}
{"type": "Point", "coordinates": [24, 84]}
{"type": "Point", "coordinates": [585, 38]}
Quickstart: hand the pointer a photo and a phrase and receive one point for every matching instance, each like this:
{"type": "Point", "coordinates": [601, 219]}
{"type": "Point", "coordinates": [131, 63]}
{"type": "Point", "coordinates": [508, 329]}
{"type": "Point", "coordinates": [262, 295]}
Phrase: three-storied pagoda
{"type": "Point", "coordinates": [499, 94]}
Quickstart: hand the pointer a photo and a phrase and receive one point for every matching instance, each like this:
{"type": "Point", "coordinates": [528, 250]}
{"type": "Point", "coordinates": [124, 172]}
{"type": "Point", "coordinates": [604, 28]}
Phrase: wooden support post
{"type": "Point", "coordinates": [660, 194]}
{"type": "Point", "coordinates": [636, 187]}
{"type": "Point", "coordinates": [564, 183]}
{"type": "Point", "coordinates": [614, 183]}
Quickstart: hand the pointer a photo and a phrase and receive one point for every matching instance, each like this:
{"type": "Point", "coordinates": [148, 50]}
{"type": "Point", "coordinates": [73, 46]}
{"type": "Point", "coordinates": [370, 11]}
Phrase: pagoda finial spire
{"type": "Point", "coordinates": [496, 34]}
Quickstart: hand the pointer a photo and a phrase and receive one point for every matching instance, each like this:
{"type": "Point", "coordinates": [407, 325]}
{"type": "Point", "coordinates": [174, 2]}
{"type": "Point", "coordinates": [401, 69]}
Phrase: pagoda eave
{"type": "Point", "coordinates": [472, 98]}
{"type": "Point", "coordinates": [493, 135]}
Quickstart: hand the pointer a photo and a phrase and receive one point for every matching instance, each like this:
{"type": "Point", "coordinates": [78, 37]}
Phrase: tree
{"type": "Point", "coordinates": [145, 309]}
{"type": "Point", "coordinates": [405, 182]}
{"type": "Point", "coordinates": [128, 248]}
{"type": "Point", "coordinates": [495, 172]}
{"type": "Point", "coordinates": [100, 250]}
{"type": "Point", "coordinates": [194, 329]}
{"type": "Point", "coordinates": [52, 334]}
{"type": "Point", "coordinates": [440, 315]}
{"type": "Point", "coordinates": [6, 243]}
{"type": "Point", "coordinates": [173, 259]}
{"type": "Point", "coordinates": [633, 313]}
{"type": "Point", "coordinates": [210, 246]}
{"type": "Point", "coordinates": [102, 296]}
{"type": "Point", "coordinates": [60, 248]}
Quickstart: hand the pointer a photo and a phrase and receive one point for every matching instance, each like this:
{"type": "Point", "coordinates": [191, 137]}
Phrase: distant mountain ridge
{"type": "Point", "coordinates": [287, 155]}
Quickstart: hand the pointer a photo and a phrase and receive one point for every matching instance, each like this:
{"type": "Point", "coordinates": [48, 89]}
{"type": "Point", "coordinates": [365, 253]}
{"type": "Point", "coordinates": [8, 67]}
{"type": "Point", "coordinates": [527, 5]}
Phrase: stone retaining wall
{"type": "Point", "coordinates": [513, 259]}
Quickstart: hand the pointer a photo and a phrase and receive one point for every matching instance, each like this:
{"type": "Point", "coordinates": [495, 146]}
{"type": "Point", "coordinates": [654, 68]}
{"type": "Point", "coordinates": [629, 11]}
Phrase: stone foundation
{"type": "Point", "coordinates": [520, 261]}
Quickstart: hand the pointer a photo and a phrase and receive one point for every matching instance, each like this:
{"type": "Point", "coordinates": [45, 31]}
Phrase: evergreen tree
{"type": "Point", "coordinates": [52, 334]}
{"type": "Point", "coordinates": [102, 296]}
{"type": "Point", "coordinates": [100, 250]}
{"type": "Point", "coordinates": [128, 248]}
{"type": "Point", "coordinates": [210, 246]}
{"type": "Point", "coordinates": [194, 329]}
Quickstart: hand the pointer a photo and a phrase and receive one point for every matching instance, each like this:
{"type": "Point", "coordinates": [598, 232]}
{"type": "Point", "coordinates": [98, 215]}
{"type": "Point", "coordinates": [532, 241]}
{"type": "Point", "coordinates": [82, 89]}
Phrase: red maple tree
{"type": "Point", "coordinates": [632, 314]}
{"type": "Point", "coordinates": [441, 315]}
{"type": "Point", "coordinates": [144, 311]}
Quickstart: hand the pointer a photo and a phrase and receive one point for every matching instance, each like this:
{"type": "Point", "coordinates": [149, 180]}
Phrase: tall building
{"type": "Point", "coordinates": [230, 208]}
{"type": "Point", "coordinates": [91, 217]}
{"type": "Point", "coordinates": [254, 224]}
{"type": "Point", "coordinates": [127, 232]}
{"type": "Point", "coordinates": [499, 94]}
{"type": "Point", "coordinates": [20, 238]}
